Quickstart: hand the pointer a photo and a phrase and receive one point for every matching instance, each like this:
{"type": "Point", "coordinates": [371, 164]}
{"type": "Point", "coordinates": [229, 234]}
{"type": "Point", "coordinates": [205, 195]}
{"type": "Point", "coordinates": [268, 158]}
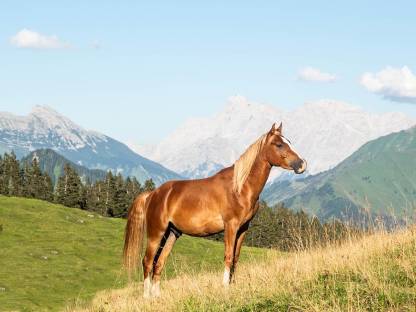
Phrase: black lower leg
{"type": "Point", "coordinates": [175, 231]}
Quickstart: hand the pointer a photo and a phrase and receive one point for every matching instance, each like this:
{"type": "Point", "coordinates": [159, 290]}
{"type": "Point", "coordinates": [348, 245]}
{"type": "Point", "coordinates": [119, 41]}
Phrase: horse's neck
{"type": "Point", "coordinates": [257, 179]}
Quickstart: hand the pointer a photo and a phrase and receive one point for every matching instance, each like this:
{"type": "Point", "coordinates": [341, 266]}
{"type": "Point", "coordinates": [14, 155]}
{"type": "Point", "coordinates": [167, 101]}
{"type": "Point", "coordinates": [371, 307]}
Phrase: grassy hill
{"type": "Point", "coordinates": [53, 164]}
{"type": "Point", "coordinates": [372, 273]}
{"type": "Point", "coordinates": [379, 177]}
{"type": "Point", "coordinates": [53, 256]}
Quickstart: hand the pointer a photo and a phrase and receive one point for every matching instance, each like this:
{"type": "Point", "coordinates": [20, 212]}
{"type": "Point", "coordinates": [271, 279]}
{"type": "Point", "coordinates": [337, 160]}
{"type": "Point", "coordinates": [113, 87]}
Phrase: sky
{"type": "Point", "coordinates": [136, 70]}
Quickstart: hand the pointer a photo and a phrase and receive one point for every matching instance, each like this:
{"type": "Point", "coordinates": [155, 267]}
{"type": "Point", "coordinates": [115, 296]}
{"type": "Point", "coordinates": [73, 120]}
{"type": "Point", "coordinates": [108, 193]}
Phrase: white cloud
{"type": "Point", "coordinates": [314, 74]}
{"type": "Point", "coordinates": [27, 38]}
{"type": "Point", "coordinates": [395, 84]}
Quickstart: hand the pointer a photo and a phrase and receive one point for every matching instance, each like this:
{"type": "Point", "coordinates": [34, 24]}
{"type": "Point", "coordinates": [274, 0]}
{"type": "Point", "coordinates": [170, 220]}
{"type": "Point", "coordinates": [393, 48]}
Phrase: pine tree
{"type": "Point", "coordinates": [120, 201]}
{"type": "Point", "coordinates": [68, 188]}
{"type": "Point", "coordinates": [60, 190]}
{"type": "Point", "coordinates": [109, 194]}
{"type": "Point", "coordinates": [34, 180]}
{"type": "Point", "coordinates": [99, 197]}
{"type": "Point", "coordinates": [11, 174]}
{"type": "Point", "coordinates": [22, 182]}
{"type": "Point", "coordinates": [74, 188]}
{"type": "Point", "coordinates": [83, 197]}
{"type": "Point", "coordinates": [133, 188]}
{"type": "Point", "coordinates": [46, 190]}
{"type": "Point", "coordinates": [86, 197]}
{"type": "Point", "coordinates": [95, 197]}
{"type": "Point", "coordinates": [149, 185]}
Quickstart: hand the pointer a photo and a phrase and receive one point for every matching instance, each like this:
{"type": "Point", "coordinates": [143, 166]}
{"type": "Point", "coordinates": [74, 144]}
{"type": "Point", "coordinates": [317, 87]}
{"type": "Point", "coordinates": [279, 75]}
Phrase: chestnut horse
{"type": "Point", "coordinates": [225, 202]}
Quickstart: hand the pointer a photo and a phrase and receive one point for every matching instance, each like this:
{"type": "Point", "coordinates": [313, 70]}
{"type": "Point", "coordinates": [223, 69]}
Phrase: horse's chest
{"type": "Point", "coordinates": [249, 214]}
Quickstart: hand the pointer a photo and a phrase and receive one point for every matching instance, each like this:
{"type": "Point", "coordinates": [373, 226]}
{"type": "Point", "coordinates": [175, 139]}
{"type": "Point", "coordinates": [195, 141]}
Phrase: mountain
{"type": "Point", "coordinates": [379, 178]}
{"type": "Point", "coordinates": [44, 128]}
{"type": "Point", "coordinates": [324, 132]}
{"type": "Point", "coordinates": [53, 164]}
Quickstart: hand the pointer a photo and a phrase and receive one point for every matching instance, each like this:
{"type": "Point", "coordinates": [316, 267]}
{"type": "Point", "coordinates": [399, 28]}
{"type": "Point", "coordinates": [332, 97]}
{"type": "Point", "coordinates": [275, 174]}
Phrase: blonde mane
{"type": "Point", "coordinates": [242, 167]}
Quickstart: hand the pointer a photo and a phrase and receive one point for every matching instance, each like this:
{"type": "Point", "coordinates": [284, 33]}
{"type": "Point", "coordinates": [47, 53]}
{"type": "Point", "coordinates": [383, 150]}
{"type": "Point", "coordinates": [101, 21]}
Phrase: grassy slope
{"type": "Point", "coordinates": [379, 177]}
{"type": "Point", "coordinates": [52, 255]}
{"type": "Point", "coordinates": [374, 273]}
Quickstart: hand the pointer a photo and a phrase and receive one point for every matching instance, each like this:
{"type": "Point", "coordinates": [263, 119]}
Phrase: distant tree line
{"type": "Point", "coordinates": [111, 196]}
{"type": "Point", "coordinates": [281, 228]}
{"type": "Point", "coordinates": [272, 227]}
{"type": "Point", "coordinates": [26, 181]}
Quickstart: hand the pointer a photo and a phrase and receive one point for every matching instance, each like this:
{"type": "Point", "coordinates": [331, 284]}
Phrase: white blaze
{"type": "Point", "coordinates": [303, 168]}
{"type": "Point", "coordinates": [291, 146]}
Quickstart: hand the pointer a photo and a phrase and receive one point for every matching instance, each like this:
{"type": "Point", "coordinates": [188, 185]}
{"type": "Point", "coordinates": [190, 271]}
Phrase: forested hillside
{"type": "Point", "coordinates": [377, 180]}
{"type": "Point", "coordinates": [53, 164]}
{"type": "Point", "coordinates": [110, 196]}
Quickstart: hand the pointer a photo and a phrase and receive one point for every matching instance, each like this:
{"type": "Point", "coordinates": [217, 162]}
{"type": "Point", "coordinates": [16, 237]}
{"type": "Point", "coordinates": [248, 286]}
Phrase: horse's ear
{"type": "Point", "coordinates": [276, 129]}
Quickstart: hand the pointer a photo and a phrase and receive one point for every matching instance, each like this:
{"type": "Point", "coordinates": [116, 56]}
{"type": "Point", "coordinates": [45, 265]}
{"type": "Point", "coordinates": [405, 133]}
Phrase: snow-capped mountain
{"type": "Point", "coordinates": [46, 128]}
{"type": "Point", "coordinates": [324, 132]}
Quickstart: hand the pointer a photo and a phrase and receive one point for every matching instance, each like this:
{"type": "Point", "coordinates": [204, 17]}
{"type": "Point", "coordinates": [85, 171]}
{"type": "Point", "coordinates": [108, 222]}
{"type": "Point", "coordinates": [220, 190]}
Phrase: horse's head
{"type": "Point", "coordinates": [279, 152]}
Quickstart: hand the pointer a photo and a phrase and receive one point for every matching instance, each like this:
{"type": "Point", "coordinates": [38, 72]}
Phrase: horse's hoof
{"type": "Point", "coordinates": [156, 290]}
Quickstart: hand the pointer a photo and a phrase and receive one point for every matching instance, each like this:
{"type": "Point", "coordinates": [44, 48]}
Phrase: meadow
{"type": "Point", "coordinates": [57, 258]}
{"type": "Point", "coordinates": [371, 273]}
{"type": "Point", "coordinates": [52, 256]}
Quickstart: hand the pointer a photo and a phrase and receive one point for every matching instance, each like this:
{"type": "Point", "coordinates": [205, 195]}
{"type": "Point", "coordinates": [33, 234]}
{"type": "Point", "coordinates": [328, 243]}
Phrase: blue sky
{"type": "Point", "coordinates": [136, 70]}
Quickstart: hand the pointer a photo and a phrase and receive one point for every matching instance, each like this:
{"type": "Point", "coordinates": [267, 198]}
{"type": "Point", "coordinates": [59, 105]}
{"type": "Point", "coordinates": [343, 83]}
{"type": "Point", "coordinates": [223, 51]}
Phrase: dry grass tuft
{"type": "Point", "coordinates": [376, 272]}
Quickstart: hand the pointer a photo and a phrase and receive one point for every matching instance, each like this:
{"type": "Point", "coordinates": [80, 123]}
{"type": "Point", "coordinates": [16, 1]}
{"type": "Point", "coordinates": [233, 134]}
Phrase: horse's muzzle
{"type": "Point", "coordinates": [299, 166]}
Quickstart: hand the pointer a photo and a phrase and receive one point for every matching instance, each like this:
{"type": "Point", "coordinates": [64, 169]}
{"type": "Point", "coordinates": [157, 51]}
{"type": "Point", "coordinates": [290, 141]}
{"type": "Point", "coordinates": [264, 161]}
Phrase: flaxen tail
{"type": "Point", "coordinates": [135, 229]}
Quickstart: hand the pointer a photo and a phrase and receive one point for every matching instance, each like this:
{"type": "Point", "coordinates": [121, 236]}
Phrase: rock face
{"type": "Point", "coordinates": [45, 128]}
{"type": "Point", "coordinates": [323, 132]}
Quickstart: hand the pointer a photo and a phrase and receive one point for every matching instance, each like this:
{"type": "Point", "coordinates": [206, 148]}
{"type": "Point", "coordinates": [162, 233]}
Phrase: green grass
{"type": "Point", "coordinates": [390, 287]}
{"type": "Point", "coordinates": [52, 256]}
{"type": "Point", "coordinates": [385, 281]}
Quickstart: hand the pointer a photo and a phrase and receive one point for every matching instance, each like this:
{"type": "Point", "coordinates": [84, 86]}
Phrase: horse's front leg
{"type": "Point", "coordinates": [239, 242]}
{"type": "Point", "coordinates": [230, 236]}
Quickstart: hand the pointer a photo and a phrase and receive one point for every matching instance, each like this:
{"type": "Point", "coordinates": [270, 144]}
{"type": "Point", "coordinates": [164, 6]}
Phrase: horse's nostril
{"type": "Point", "coordinates": [299, 166]}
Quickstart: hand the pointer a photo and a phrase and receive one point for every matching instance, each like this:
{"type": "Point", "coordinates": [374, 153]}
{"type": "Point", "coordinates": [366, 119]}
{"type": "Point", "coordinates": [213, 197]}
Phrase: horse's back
{"type": "Point", "coordinates": [194, 206]}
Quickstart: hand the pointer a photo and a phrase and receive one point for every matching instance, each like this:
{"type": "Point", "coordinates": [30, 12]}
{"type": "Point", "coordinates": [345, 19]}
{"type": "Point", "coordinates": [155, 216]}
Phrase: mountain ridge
{"type": "Point", "coordinates": [201, 146]}
{"type": "Point", "coordinates": [44, 128]}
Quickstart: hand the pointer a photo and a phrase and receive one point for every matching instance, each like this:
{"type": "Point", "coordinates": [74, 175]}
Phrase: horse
{"type": "Point", "coordinates": [226, 201]}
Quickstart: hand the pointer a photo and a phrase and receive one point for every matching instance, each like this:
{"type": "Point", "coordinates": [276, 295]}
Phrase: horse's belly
{"type": "Point", "coordinates": [199, 225]}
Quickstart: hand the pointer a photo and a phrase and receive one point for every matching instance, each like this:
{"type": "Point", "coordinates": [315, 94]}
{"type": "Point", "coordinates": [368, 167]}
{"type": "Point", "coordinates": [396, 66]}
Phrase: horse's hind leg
{"type": "Point", "coordinates": [161, 260]}
{"type": "Point", "coordinates": [153, 241]}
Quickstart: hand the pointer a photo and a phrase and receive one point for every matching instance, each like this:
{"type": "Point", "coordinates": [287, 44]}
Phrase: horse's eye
{"type": "Point", "coordinates": [279, 145]}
